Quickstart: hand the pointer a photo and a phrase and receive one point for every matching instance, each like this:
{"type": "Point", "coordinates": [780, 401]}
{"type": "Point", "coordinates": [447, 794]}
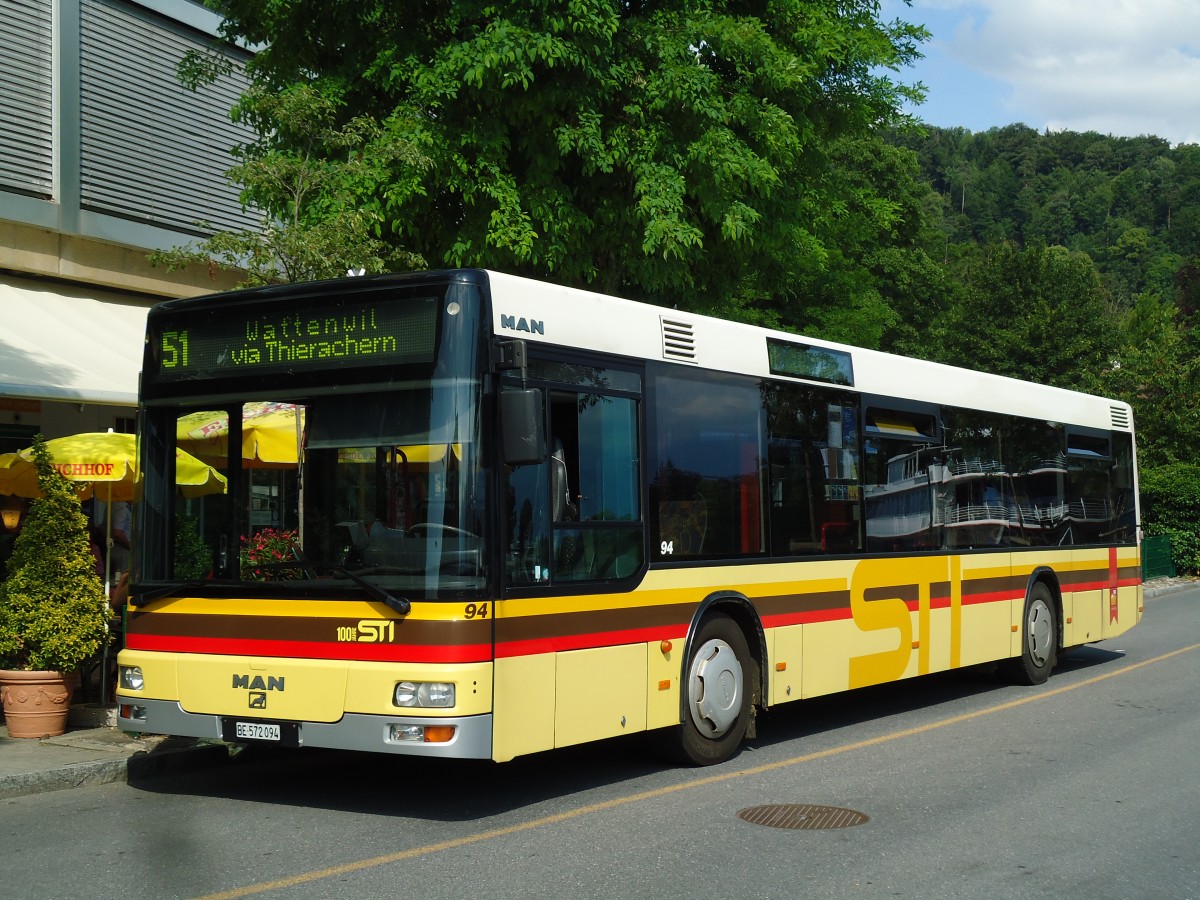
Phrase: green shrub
{"type": "Point", "coordinates": [1171, 506]}
{"type": "Point", "coordinates": [193, 558]}
{"type": "Point", "coordinates": [53, 612]}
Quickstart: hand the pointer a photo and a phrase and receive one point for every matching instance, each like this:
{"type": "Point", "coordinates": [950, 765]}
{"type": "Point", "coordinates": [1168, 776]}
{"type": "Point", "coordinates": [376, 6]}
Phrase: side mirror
{"type": "Point", "coordinates": [522, 427]}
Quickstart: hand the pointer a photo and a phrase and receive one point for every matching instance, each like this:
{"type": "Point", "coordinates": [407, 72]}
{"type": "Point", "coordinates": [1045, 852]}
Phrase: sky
{"type": "Point", "coordinates": [1119, 67]}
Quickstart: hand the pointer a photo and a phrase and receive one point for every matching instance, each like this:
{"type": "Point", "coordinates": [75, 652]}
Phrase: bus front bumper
{"type": "Point", "coordinates": [472, 738]}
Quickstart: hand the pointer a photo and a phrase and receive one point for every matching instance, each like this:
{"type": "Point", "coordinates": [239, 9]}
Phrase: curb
{"type": "Point", "coordinates": [89, 774]}
{"type": "Point", "coordinates": [141, 766]}
{"type": "Point", "coordinates": [1151, 592]}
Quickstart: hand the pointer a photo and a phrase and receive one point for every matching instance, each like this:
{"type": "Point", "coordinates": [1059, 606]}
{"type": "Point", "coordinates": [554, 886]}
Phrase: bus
{"type": "Point", "coordinates": [471, 515]}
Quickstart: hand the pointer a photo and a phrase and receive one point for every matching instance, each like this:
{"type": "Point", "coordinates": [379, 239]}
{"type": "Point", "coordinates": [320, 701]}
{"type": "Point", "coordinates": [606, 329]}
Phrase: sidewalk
{"type": "Point", "coordinates": [93, 752]}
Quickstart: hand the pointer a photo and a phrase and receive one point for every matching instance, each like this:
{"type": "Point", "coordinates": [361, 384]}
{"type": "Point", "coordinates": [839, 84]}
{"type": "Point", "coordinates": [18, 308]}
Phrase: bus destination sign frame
{"type": "Point", "coordinates": [346, 332]}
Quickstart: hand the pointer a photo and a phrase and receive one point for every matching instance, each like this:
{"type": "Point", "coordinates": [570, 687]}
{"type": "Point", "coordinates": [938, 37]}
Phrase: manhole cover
{"type": "Point", "coordinates": [802, 816]}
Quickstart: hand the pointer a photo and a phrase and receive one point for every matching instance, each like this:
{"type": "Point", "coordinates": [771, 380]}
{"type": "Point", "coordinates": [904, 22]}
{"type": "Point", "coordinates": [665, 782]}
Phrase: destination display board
{"type": "Point", "coordinates": [254, 339]}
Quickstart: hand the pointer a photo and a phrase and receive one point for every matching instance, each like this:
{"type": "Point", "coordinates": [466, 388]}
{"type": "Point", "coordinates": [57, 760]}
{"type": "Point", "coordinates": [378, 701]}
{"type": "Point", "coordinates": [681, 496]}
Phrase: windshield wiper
{"type": "Point", "coordinates": [400, 605]}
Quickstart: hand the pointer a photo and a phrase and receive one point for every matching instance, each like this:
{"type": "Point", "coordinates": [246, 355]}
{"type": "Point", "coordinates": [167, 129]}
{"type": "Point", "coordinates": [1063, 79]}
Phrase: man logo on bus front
{"type": "Point", "coordinates": [258, 700]}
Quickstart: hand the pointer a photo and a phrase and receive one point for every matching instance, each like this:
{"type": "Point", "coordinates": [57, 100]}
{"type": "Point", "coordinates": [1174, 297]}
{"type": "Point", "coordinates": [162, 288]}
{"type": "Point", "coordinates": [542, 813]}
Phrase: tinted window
{"type": "Point", "coordinates": [813, 492]}
{"type": "Point", "coordinates": [900, 452]}
{"type": "Point", "coordinates": [705, 473]}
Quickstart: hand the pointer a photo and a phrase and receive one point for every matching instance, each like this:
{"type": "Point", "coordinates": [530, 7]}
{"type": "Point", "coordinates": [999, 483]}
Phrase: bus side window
{"type": "Point", "coordinates": [814, 471]}
{"type": "Point", "coordinates": [528, 541]}
{"type": "Point", "coordinates": [706, 495]}
{"type": "Point", "coordinates": [598, 535]}
{"type": "Point", "coordinates": [902, 461]}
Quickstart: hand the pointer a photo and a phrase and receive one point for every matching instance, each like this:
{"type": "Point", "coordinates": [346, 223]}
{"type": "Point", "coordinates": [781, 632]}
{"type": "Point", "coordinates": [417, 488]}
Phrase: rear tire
{"type": "Point", "coordinates": [1039, 639]}
{"type": "Point", "coordinates": [716, 694]}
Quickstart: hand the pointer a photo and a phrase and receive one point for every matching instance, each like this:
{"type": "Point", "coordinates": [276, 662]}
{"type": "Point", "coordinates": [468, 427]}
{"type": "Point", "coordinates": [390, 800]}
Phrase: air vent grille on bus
{"type": "Point", "coordinates": [1120, 417]}
{"type": "Point", "coordinates": [679, 341]}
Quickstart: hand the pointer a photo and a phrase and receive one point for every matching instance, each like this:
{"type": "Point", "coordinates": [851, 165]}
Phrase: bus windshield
{"type": "Point", "coordinates": [324, 492]}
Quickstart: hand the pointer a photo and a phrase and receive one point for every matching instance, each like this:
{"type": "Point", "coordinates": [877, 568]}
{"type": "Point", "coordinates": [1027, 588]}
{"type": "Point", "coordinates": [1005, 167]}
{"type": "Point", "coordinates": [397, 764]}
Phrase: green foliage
{"type": "Point", "coordinates": [193, 558]}
{"type": "Point", "coordinates": [1159, 375]}
{"type": "Point", "coordinates": [1132, 204]}
{"type": "Point", "coordinates": [316, 176]}
{"type": "Point", "coordinates": [1039, 314]}
{"type": "Point", "coordinates": [53, 612]}
{"type": "Point", "coordinates": [678, 152]}
{"type": "Point", "coordinates": [1171, 506]}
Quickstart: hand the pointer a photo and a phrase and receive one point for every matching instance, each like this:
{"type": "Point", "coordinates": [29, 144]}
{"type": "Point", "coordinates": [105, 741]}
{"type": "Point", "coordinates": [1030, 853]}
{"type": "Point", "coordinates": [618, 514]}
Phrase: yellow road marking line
{"type": "Point", "coordinates": [603, 805]}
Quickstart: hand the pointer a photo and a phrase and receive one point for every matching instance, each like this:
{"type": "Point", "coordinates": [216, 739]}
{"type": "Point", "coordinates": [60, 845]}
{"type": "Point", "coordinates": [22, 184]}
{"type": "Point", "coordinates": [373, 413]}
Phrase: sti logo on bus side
{"type": "Point", "coordinates": [258, 683]}
{"type": "Point", "coordinates": [530, 326]}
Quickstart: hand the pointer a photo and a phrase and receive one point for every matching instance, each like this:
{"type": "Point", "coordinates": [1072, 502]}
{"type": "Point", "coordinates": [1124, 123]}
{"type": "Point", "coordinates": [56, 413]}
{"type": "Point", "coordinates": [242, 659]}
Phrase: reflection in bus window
{"type": "Point", "coordinates": [360, 482]}
{"type": "Point", "coordinates": [900, 450]}
{"type": "Point", "coordinates": [577, 516]}
{"type": "Point", "coordinates": [814, 471]}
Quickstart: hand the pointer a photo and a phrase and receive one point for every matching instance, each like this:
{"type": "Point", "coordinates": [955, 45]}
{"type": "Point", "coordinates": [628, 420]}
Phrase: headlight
{"type": "Point", "coordinates": [131, 678]}
{"type": "Point", "coordinates": [423, 694]}
{"type": "Point", "coordinates": [435, 693]}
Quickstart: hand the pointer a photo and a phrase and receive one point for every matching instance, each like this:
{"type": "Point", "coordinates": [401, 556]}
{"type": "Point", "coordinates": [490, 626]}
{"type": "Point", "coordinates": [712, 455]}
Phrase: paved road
{"type": "Point", "coordinates": [1088, 786]}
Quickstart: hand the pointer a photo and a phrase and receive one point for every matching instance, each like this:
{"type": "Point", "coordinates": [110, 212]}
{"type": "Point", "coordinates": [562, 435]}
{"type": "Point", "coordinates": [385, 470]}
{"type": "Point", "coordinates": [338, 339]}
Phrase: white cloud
{"type": "Point", "coordinates": [1124, 67]}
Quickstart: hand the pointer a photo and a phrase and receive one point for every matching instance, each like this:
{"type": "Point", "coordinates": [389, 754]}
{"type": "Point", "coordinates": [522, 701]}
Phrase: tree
{"type": "Point", "coordinates": [1037, 314]}
{"type": "Point", "coordinates": [53, 612]}
{"type": "Point", "coordinates": [315, 174]}
{"type": "Point", "coordinates": [1159, 376]}
{"type": "Point", "coordinates": [669, 151]}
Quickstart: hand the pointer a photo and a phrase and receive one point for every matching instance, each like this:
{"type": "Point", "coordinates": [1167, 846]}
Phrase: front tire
{"type": "Point", "coordinates": [716, 694]}
{"type": "Point", "coordinates": [1039, 640]}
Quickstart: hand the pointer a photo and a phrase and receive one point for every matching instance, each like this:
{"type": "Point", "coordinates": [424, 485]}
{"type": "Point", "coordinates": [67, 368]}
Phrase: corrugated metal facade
{"type": "Point", "coordinates": [27, 97]}
{"type": "Point", "coordinates": [151, 150]}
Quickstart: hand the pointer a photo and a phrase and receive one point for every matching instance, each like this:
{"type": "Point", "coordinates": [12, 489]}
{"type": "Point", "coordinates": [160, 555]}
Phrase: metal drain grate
{"type": "Point", "coordinates": [802, 816]}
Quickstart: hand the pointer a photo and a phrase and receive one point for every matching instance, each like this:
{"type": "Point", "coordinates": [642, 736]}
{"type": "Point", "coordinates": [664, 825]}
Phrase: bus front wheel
{"type": "Point", "coordinates": [716, 693]}
{"type": "Point", "coordinates": [1039, 639]}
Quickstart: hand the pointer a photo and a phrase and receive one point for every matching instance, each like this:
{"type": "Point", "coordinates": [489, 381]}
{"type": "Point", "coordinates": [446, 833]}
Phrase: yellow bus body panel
{"type": "Point", "coordinates": [599, 693]}
{"type": "Point", "coordinates": [662, 684]}
{"type": "Point", "coordinates": [524, 706]}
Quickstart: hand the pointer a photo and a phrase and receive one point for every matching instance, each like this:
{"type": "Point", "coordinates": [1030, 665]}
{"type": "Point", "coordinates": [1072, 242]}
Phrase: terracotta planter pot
{"type": "Point", "coordinates": [36, 704]}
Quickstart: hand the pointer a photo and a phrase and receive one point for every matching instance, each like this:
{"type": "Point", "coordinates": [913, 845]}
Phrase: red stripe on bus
{"type": "Point", "coordinates": [534, 646]}
{"type": "Point", "coordinates": [1101, 585]}
{"type": "Point", "coordinates": [465, 653]}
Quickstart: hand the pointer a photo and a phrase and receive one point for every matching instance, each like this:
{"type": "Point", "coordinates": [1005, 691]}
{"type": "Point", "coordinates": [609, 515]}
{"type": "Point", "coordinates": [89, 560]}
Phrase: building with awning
{"type": "Point", "coordinates": [63, 343]}
{"type": "Point", "coordinates": [104, 158]}
{"type": "Point", "coordinates": [70, 357]}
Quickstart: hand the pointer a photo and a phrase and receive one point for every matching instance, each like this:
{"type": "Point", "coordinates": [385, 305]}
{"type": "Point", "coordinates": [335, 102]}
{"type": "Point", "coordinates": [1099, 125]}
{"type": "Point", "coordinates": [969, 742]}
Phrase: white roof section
{"type": "Point", "coordinates": [62, 343]}
{"type": "Point", "coordinates": [591, 321]}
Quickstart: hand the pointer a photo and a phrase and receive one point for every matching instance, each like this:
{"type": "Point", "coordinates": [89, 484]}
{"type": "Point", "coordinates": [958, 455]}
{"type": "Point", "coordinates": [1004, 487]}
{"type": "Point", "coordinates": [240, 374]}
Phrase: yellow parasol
{"type": "Point", "coordinates": [107, 460]}
{"type": "Point", "coordinates": [271, 435]}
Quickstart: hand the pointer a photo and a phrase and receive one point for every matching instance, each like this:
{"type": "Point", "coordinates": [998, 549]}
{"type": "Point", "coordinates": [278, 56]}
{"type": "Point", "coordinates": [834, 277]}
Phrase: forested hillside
{"type": "Point", "coordinates": [1072, 259]}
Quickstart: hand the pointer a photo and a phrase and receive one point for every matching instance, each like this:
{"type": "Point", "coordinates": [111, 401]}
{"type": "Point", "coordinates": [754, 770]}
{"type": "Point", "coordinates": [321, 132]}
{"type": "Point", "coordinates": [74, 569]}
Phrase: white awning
{"type": "Point", "coordinates": [66, 343]}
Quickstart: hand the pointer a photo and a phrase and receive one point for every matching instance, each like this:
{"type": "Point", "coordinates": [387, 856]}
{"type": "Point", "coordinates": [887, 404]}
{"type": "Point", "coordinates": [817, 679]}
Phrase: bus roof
{"type": "Point", "coordinates": [541, 312]}
{"type": "Point", "coordinates": [547, 313]}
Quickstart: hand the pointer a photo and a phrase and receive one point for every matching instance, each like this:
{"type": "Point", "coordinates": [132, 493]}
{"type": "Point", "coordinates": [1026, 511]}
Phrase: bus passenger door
{"type": "Point", "coordinates": [573, 529]}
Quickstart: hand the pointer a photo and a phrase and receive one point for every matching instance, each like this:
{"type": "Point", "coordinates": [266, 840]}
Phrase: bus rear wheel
{"type": "Point", "coordinates": [716, 693]}
{"type": "Point", "coordinates": [1039, 640]}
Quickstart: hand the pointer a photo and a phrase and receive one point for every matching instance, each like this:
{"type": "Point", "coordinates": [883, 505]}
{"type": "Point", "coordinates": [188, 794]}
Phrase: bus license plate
{"type": "Point", "coordinates": [285, 734]}
{"type": "Point", "coordinates": [256, 731]}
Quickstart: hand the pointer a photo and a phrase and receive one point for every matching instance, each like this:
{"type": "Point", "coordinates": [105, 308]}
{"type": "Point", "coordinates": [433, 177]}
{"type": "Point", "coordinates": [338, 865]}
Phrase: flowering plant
{"type": "Point", "coordinates": [263, 548]}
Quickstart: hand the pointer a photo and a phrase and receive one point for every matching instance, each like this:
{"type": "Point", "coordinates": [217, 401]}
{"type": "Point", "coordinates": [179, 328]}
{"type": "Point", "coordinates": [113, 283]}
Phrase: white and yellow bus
{"type": "Point", "coordinates": [471, 515]}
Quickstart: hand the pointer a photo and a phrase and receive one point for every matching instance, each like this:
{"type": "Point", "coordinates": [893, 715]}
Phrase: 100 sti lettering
{"type": "Point", "coordinates": [291, 338]}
